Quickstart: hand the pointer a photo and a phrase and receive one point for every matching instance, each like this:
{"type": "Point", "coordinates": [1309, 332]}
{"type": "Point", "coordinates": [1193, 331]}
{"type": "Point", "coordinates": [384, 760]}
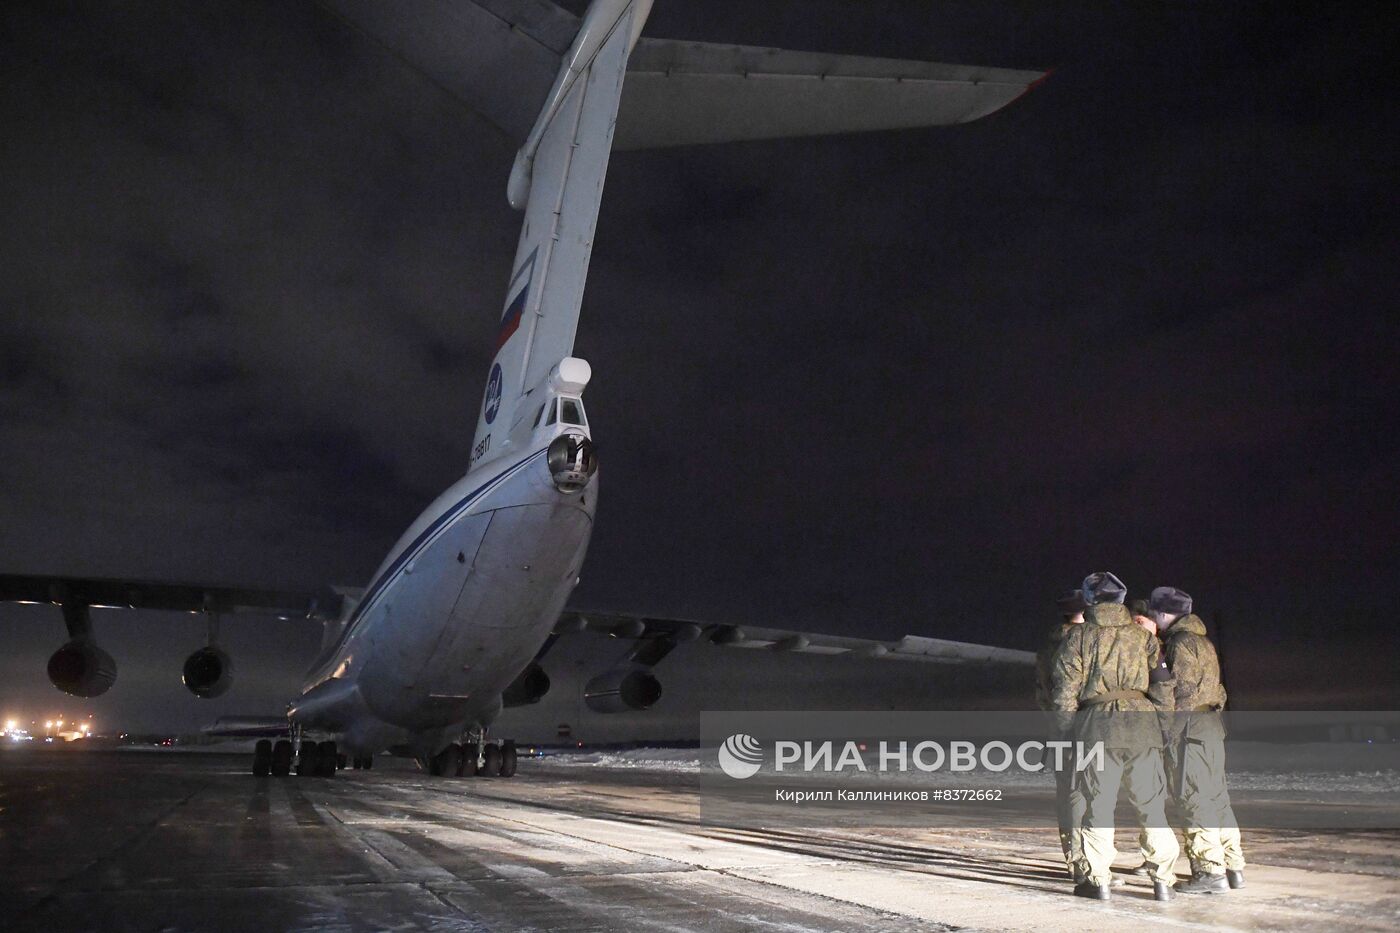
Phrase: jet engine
{"type": "Point", "coordinates": [82, 669]}
{"type": "Point", "coordinates": [208, 672]}
{"type": "Point", "coordinates": [621, 690]}
{"type": "Point", "coordinates": [572, 462]}
{"type": "Point", "coordinates": [529, 687]}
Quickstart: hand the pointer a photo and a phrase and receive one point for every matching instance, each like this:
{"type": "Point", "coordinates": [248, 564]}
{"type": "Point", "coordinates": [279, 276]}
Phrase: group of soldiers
{"type": "Point", "coordinates": [1143, 679]}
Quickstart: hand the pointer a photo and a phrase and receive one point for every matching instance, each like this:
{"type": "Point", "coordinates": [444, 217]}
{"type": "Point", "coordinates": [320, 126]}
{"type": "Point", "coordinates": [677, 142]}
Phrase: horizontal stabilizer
{"type": "Point", "coordinates": [682, 93]}
{"type": "Point", "coordinates": [499, 57]}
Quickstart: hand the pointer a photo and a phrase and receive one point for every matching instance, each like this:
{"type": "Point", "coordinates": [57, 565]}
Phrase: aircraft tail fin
{"type": "Point", "coordinates": [555, 83]}
{"type": "Point", "coordinates": [557, 180]}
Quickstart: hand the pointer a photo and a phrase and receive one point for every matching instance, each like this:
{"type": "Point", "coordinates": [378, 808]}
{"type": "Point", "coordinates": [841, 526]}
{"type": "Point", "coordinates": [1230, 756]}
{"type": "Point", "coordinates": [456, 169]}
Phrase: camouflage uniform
{"type": "Point", "coordinates": [1100, 679]}
{"type": "Point", "coordinates": [1196, 750]}
{"type": "Point", "coordinates": [1069, 802]}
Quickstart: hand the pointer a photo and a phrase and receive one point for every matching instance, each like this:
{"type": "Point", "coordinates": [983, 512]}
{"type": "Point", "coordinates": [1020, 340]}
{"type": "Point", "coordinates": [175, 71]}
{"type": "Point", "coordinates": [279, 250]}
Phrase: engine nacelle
{"type": "Point", "coordinates": [529, 687]}
{"type": "Point", "coordinates": [82, 669]}
{"type": "Point", "coordinates": [208, 673]}
{"type": "Point", "coordinates": [622, 690]}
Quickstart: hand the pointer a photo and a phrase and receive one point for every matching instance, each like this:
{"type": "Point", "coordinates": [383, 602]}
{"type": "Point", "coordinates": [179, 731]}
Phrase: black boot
{"type": "Point", "coordinates": [1098, 892]}
{"type": "Point", "coordinates": [1235, 878]}
{"type": "Point", "coordinates": [1204, 884]}
{"type": "Point", "coordinates": [1161, 891]}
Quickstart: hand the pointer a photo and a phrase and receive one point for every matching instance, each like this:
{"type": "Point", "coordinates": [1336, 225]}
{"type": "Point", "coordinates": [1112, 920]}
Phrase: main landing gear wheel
{"type": "Point", "coordinates": [491, 761]}
{"type": "Point", "coordinates": [309, 762]}
{"type": "Point", "coordinates": [282, 758]}
{"type": "Point", "coordinates": [328, 759]}
{"type": "Point", "coordinates": [471, 752]}
{"type": "Point", "coordinates": [262, 758]}
{"type": "Point", "coordinates": [509, 758]}
{"type": "Point", "coordinates": [446, 762]}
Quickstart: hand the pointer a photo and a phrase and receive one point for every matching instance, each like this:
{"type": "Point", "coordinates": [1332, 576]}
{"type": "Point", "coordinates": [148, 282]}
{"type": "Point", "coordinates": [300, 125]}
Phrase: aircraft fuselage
{"type": "Point", "coordinates": [459, 607]}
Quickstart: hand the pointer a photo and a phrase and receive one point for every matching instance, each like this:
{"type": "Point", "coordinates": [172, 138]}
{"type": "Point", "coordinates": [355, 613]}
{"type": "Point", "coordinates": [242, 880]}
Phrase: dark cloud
{"type": "Point", "coordinates": [913, 381]}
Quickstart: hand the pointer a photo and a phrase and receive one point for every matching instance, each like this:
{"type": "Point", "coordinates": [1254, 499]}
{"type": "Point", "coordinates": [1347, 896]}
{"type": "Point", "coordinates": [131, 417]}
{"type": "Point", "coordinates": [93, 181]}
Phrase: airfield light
{"type": "Point", "coordinates": [11, 725]}
{"type": "Point", "coordinates": [86, 728]}
{"type": "Point", "coordinates": [60, 723]}
{"type": "Point", "coordinates": [49, 724]}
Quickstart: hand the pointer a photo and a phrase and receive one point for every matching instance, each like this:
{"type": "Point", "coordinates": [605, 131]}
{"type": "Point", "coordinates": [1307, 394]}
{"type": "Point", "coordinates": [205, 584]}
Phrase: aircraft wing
{"type": "Point", "coordinates": [174, 597]}
{"type": "Point", "coordinates": [682, 93]}
{"type": "Point", "coordinates": [654, 638]}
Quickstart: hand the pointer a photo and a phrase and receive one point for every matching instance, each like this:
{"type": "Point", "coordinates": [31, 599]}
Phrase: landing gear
{"type": "Point", "coordinates": [340, 762]}
{"type": "Point", "coordinates": [446, 762]}
{"type": "Point", "coordinates": [490, 761]}
{"type": "Point", "coordinates": [262, 758]}
{"type": "Point", "coordinates": [309, 761]}
{"type": "Point", "coordinates": [282, 758]}
{"type": "Point", "coordinates": [471, 754]}
{"type": "Point", "coordinates": [328, 759]}
{"type": "Point", "coordinates": [509, 758]}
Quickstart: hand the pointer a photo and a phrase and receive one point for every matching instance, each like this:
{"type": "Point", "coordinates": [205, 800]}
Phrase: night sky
{"type": "Point", "coordinates": [1142, 320]}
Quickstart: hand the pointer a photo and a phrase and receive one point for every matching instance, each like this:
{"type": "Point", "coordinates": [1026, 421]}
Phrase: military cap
{"type": "Point", "coordinates": [1170, 600]}
{"type": "Point", "coordinates": [1103, 587]}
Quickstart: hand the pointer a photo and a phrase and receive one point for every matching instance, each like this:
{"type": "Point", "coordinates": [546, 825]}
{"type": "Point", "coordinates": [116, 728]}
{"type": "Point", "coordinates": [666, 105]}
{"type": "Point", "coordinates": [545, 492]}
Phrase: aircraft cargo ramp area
{"type": "Point", "coordinates": [129, 841]}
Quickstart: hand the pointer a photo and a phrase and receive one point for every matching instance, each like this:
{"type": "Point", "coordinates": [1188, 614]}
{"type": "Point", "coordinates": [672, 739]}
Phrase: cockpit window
{"type": "Point", "coordinates": [571, 412]}
{"type": "Point", "coordinates": [553, 414]}
{"type": "Point", "coordinates": [538, 415]}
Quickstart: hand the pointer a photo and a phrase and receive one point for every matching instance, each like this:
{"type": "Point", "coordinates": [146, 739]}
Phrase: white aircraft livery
{"type": "Point", "coordinates": [456, 622]}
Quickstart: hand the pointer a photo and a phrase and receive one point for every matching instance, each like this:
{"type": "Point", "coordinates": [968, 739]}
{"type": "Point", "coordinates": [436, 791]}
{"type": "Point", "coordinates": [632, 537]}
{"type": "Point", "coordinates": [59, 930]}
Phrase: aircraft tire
{"type": "Point", "coordinates": [328, 758]}
{"type": "Point", "coordinates": [491, 761]}
{"type": "Point", "coordinates": [470, 754]}
{"type": "Point", "coordinates": [282, 758]}
{"type": "Point", "coordinates": [447, 761]}
{"type": "Point", "coordinates": [262, 758]}
{"type": "Point", "coordinates": [309, 762]}
{"type": "Point", "coordinates": [510, 759]}
{"type": "Point", "coordinates": [340, 762]}
{"type": "Point", "coordinates": [369, 763]}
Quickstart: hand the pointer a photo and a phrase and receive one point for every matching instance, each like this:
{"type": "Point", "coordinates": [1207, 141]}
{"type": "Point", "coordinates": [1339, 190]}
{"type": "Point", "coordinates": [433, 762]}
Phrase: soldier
{"type": "Point", "coordinates": [1196, 747]}
{"type": "Point", "coordinates": [1069, 802]}
{"type": "Point", "coordinates": [1101, 677]}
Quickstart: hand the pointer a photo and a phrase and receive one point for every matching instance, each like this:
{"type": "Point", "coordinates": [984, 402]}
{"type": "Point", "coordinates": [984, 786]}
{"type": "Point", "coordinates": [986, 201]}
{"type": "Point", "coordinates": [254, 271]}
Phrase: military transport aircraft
{"type": "Point", "coordinates": [458, 620]}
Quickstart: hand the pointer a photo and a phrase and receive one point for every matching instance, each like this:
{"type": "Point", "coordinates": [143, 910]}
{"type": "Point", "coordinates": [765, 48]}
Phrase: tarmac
{"type": "Point", "coordinates": [169, 841]}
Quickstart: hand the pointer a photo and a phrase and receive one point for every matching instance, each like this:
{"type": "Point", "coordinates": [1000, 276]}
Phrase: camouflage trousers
{"type": "Point", "coordinates": [1069, 814]}
{"type": "Point", "coordinates": [1196, 776]}
{"type": "Point", "coordinates": [1139, 774]}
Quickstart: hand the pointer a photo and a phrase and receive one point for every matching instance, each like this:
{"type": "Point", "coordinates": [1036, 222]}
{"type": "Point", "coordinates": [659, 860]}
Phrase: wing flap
{"type": "Point", "coordinates": [684, 93]}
